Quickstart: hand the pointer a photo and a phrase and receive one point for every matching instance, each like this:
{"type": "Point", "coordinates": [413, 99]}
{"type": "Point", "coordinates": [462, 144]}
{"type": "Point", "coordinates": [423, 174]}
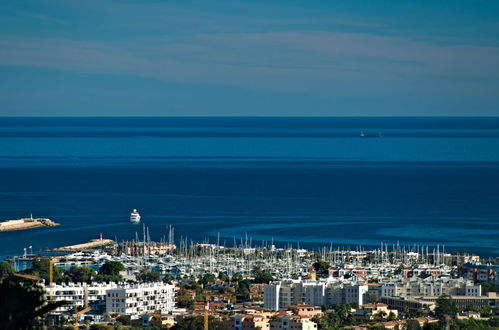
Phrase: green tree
{"type": "Point", "coordinates": [223, 277]}
{"type": "Point", "coordinates": [413, 325]}
{"type": "Point", "coordinates": [445, 310]}
{"type": "Point", "coordinates": [391, 317]}
{"type": "Point", "coordinates": [80, 274]}
{"type": "Point", "coordinates": [489, 287]}
{"type": "Point", "coordinates": [184, 299]}
{"type": "Point", "coordinates": [6, 269]}
{"type": "Point", "coordinates": [321, 268]}
{"type": "Point", "coordinates": [110, 272]}
{"type": "Point", "coordinates": [197, 323]}
{"type": "Point", "coordinates": [207, 278]}
{"type": "Point", "coordinates": [124, 319]}
{"type": "Point", "coordinates": [243, 290]}
{"type": "Point", "coordinates": [237, 277]}
{"type": "Point", "coordinates": [21, 303]}
{"type": "Point", "coordinates": [40, 267]}
{"type": "Point", "coordinates": [261, 276]}
{"type": "Point", "coordinates": [168, 278]}
{"type": "Point", "coordinates": [148, 275]}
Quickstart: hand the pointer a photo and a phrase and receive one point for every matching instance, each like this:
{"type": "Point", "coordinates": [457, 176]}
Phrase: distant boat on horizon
{"type": "Point", "coordinates": [134, 216]}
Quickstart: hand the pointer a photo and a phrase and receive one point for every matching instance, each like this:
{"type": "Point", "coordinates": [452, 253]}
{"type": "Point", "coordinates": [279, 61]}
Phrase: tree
{"type": "Point", "coordinates": [322, 268]}
{"type": "Point", "coordinates": [124, 319]}
{"type": "Point", "coordinates": [391, 317]}
{"type": "Point", "coordinates": [110, 272]}
{"type": "Point", "coordinates": [40, 267]}
{"type": "Point", "coordinates": [261, 276]}
{"type": "Point", "coordinates": [80, 274]}
{"type": "Point", "coordinates": [237, 277]}
{"type": "Point", "coordinates": [413, 325]}
{"type": "Point", "coordinates": [148, 275]}
{"type": "Point", "coordinates": [197, 323]}
{"type": "Point", "coordinates": [6, 269]}
{"type": "Point", "coordinates": [207, 278]}
{"type": "Point", "coordinates": [489, 287]}
{"type": "Point", "coordinates": [445, 310]}
{"type": "Point", "coordinates": [168, 278]}
{"type": "Point", "coordinates": [184, 299]}
{"type": "Point", "coordinates": [111, 268]}
{"type": "Point", "coordinates": [223, 277]}
{"type": "Point", "coordinates": [21, 303]}
{"type": "Point", "coordinates": [243, 291]}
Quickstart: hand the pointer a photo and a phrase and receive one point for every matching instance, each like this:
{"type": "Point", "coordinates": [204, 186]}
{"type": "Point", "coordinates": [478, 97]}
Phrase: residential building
{"type": "Point", "coordinates": [137, 299]}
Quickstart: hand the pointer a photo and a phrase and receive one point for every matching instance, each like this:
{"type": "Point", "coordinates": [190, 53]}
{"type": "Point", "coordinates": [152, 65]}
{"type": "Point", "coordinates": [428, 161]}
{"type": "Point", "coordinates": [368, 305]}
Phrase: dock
{"type": "Point", "coordinates": [95, 243]}
{"type": "Point", "coordinates": [26, 223]}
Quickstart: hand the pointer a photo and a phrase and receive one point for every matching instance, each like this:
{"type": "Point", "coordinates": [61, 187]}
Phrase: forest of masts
{"type": "Point", "coordinates": [245, 254]}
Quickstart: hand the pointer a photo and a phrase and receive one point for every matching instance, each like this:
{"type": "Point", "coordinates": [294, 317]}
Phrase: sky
{"type": "Point", "coordinates": [249, 58]}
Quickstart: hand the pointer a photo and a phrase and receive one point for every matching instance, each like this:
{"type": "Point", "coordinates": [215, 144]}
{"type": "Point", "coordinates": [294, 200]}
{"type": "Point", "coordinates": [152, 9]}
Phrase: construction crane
{"type": "Point", "coordinates": [51, 274]}
{"type": "Point", "coordinates": [206, 308]}
{"type": "Point", "coordinates": [77, 315]}
{"type": "Point", "coordinates": [29, 277]}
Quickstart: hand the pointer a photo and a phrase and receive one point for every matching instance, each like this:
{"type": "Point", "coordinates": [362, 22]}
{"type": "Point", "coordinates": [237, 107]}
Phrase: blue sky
{"type": "Point", "coordinates": [244, 58]}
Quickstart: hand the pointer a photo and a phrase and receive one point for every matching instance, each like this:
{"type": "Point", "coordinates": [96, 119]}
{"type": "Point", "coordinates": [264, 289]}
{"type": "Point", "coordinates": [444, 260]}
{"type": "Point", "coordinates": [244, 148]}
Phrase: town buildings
{"type": "Point", "coordinates": [135, 299]}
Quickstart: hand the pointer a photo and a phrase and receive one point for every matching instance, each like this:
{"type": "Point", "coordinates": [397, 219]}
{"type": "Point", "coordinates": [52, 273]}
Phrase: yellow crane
{"type": "Point", "coordinates": [77, 314]}
{"type": "Point", "coordinates": [51, 274]}
{"type": "Point", "coordinates": [29, 277]}
{"type": "Point", "coordinates": [206, 308]}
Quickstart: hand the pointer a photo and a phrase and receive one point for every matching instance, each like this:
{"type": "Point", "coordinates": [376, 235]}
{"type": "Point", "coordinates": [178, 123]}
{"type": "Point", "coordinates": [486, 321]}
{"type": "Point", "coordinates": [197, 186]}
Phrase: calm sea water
{"type": "Point", "coordinates": [307, 181]}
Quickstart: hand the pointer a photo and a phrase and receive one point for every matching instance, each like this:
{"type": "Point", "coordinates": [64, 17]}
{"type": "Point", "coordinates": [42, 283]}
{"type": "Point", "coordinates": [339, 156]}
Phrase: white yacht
{"type": "Point", "coordinates": [135, 216]}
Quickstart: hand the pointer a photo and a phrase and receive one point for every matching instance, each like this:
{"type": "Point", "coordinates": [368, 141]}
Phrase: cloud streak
{"type": "Point", "coordinates": [281, 60]}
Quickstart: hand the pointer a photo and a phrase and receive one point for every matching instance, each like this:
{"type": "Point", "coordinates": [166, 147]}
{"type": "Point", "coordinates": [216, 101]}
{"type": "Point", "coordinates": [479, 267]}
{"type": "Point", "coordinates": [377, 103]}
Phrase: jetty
{"type": "Point", "coordinates": [26, 223]}
{"type": "Point", "coordinates": [94, 243]}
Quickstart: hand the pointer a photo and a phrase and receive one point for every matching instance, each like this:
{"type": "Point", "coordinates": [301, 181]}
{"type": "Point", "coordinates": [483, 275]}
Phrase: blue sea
{"type": "Point", "coordinates": [308, 182]}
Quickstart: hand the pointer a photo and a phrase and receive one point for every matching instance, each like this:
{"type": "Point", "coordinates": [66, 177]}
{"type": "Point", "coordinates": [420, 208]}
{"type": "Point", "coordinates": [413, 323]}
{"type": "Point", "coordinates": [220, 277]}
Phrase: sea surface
{"type": "Point", "coordinates": [308, 182]}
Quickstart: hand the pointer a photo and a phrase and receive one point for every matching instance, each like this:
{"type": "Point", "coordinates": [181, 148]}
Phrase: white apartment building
{"type": "Point", "coordinates": [137, 299]}
{"type": "Point", "coordinates": [282, 294]}
{"type": "Point", "coordinates": [389, 290]}
{"type": "Point", "coordinates": [81, 295]}
{"type": "Point", "coordinates": [355, 294]}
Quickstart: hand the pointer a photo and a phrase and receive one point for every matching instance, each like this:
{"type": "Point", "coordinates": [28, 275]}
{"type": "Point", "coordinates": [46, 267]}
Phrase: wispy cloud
{"type": "Point", "coordinates": [282, 60]}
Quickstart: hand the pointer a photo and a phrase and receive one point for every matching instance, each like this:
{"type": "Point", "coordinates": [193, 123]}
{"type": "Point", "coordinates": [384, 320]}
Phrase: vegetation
{"type": "Point", "coordinates": [28, 305]}
{"type": "Point", "coordinates": [446, 307]}
{"type": "Point", "coordinates": [489, 287]}
{"type": "Point", "coordinates": [197, 323]}
{"type": "Point", "coordinates": [223, 277]}
{"type": "Point", "coordinates": [80, 274]}
{"type": "Point", "coordinates": [184, 299]}
{"type": "Point", "coordinates": [110, 272]}
{"type": "Point", "coordinates": [322, 268]}
{"type": "Point", "coordinates": [243, 290]}
{"type": "Point", "coordinates": [261, 276]}
{"type": "Point", "coordinates": [148, 275]}
{"type": "Point", "coordinates": [40, 267]}
{"type": "Point", "coordinates": [339, 318]}
{"type": "Point", "coordinates": [6, 269]}
{"type": "Point", "coordinates": [124, 319]}
{"type": "Point", "coordinates": [207, 278]}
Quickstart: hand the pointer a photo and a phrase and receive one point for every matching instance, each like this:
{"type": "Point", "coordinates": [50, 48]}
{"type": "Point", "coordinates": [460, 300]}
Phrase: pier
{"type": "Point", "coordinates": [95, 243]}
{"type": "Point", "coordinates": [26, 223]}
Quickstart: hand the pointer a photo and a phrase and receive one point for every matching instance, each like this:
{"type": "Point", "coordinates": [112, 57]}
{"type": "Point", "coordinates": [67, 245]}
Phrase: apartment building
{"type": "Point", "coordinates": [137, 299]}
{"type": "Point", "coordinates": [81, 295]}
